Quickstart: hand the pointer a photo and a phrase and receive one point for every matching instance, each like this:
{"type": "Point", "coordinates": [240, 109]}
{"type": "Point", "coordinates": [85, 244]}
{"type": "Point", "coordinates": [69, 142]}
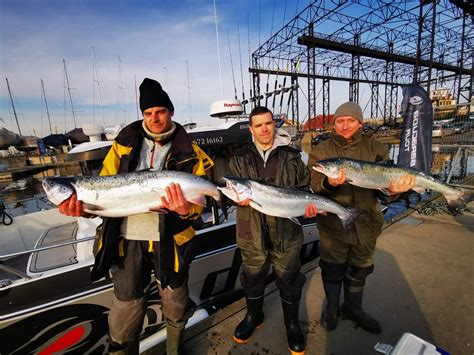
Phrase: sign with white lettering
{"type": "Point", "coordinates": [415, 144]}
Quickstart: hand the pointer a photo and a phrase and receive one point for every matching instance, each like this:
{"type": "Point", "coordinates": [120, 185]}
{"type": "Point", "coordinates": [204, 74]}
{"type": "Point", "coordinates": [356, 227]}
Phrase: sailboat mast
{"type": "Point", "coordinates": [47, 109]}
{"type": "Point", "coordinates": [69, 92]}
{"type": "Point", "coordinates": [188, 86]}
{"type": "Point", "coordinates": [13, 106]}
{"type": "Point", "coordinates": [96, 81]}
{"type": "Point", "coordinates": [136, 97]}
{"type": "Point", "coordinates": [121, 87]}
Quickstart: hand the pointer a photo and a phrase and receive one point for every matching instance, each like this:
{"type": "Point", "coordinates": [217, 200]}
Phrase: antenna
{"type": "Point", "coordinates": [70, 95]}
{"type": "Point", "coordinates": [218, 52]}
{"type": "Point", "coordinates": [47, 109]}
{"type": "Point", "coordinates": [13, 106]}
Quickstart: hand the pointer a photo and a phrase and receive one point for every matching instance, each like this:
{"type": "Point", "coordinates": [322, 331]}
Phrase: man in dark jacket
{"type": "Point", "coordinates": [266, 241]}
{"type": "Point", "coordinates": [133, 246]}
{"type": "Point", "coordinates": [348, 257]}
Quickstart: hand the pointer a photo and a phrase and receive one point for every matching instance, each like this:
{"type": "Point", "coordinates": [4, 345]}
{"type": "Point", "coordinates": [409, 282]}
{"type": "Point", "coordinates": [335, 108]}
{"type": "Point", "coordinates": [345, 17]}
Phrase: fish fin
{"type": "Point", "coordinates": [295, 220]}
{"type": "Point", "coordinates": [159, 210]}
{"type": "Point", "coordinates": [259, 205]}
{"type": "Point", "coordinates": [418, 189]}
{"type": "Point", "coordinates": [349, 181]}
{"type": "Point", "coordinates": [385, 191]}
{"type": "Point", "coordinates": [351, 214]}
{"type": "Point", "coordinates": [199, 200]}
{"type": "Point", "coordinates": [90, 207]}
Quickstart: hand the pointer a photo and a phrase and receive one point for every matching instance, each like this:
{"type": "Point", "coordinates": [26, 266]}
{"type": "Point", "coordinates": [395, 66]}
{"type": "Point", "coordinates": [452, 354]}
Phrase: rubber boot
{"type": "Point", "coordinates": [252, 320]}
{"type": "Point", "coordinates": [352, 309]}
{"type": "Point", "coordinates": [128, 348]}
{"type": "Point", "coordinates": [331, 311]}
{"type": "Point", "coordinates": [175, 338]}
{"type": "Point", "coordinates": [296, 341]}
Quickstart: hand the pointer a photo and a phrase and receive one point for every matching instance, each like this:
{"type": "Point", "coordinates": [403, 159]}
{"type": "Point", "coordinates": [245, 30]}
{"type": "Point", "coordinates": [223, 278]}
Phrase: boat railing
{"type": "Point", "coordinates": [23, 275]}
{"type": "Point", "coordinates": [27, 205]}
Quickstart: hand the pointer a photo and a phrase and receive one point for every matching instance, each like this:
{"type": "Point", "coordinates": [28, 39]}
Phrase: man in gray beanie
{"type": "Point", "coordinates": [347, 258]}
{"type": "Point", "coordinates": [133, 246]}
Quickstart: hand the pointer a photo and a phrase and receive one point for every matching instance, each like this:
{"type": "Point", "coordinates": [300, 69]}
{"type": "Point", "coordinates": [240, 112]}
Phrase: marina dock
{"type": "Point", "coordinates": [422, 284]}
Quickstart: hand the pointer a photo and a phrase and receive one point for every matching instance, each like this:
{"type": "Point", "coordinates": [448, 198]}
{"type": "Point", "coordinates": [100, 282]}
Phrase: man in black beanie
{"type": "Point", "coordinates": [133, 246]}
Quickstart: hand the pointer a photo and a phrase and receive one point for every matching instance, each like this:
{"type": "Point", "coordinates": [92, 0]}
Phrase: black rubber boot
{"type": "Point", "coordinates": [295, 336]}
{"type": "Point", "coordinates": [252, 320]}
{"type": "Point", "coordinates": [331, 311]}
{"type": "Point", "coordinates": [175, 338]}
{"type": "Point", "coordinates": [352, 309]}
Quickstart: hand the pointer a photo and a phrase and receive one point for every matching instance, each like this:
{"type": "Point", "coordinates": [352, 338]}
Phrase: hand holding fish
{"type": "Point", "coordinates": [341, 178]}
{"type": "Point", "coordinates": [175, 200]}
{"type": "Point", "coordinates": [244, 203]}
{"type": "Point", "coordinates": [71, 207]}
{"type": "Point", "coordinates": [311, 211]}
{"type": "Point", "coordinates": [402, 184]}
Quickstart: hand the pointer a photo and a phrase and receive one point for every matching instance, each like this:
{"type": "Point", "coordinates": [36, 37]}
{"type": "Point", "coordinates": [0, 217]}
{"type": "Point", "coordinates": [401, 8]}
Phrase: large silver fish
{"type": "Point", "coordinates": [127, 194]}
{"type": "Point", "coordinates": [372, 175]}
{"type": "Point", "coordinates": [286, 203]}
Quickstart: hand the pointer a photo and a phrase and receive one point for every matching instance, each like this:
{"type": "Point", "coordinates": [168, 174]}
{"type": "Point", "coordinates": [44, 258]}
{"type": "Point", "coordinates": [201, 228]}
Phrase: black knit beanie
{"type": "Point", "coordinates": [152, 95]}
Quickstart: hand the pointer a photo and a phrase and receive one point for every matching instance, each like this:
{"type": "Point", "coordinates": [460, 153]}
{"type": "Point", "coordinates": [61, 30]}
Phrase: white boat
{"type": "Point", "coordinates": [48, 301]}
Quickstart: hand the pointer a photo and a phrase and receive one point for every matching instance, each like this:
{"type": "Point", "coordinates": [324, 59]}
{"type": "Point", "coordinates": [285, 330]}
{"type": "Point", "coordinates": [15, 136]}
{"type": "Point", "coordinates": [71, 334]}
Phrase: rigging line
{"type": "Point", "coordinates": [232, 65]}
{"type": "Point", "coordinates": [284, 12]}
{"type": "Point", "coordinates": [273, 18]}
{"type": "Point", "coordinates": [296, 11]}
{"type": "Point", "coordinates": [218, 51]}
{"type": "Point", "coordinates": [241, 69]}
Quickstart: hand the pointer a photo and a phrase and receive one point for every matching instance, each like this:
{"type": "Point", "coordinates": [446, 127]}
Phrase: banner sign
{"type": "Point", "coordinates": [415, 142]}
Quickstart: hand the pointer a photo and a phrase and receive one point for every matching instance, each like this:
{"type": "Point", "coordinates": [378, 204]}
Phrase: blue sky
{"type": "Point", "coordinates": [171, 41]}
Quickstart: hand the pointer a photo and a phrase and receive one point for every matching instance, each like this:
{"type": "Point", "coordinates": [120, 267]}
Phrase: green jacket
{"type": "Point", "coordinates": [290, 171]}
{"type": "Point", "coordinates": [368, 226]}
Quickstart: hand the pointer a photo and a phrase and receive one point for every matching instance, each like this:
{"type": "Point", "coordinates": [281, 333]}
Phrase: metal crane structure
{"type": "Point", "coordinates": [376, 43]}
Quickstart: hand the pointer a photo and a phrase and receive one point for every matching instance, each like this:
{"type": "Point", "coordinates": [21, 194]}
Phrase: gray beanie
{"type": "Point", "coordinates": [349, 109]}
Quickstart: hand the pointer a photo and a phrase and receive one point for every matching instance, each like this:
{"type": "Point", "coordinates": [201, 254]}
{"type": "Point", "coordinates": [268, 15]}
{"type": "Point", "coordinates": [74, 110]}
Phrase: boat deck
{"type": "Point", "coordinates": [423, 284]}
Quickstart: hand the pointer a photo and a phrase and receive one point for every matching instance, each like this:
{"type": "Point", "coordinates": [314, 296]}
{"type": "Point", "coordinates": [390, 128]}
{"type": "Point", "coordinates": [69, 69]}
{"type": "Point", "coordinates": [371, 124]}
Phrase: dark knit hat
{"type": "Point", "coordinates": [349, 109]}
{"type": "Point", "coordinates": [152, 95]}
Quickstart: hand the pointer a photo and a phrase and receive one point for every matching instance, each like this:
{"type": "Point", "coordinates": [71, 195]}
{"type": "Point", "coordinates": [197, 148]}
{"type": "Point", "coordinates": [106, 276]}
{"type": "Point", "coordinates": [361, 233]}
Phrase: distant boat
{"type": "Point", "coordinates": [8, 138]}
{"type": "Point", "coordinates": [27, 143]}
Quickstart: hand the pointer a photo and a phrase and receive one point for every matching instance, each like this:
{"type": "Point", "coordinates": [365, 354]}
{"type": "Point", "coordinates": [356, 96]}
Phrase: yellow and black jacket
{"type": "Point", "coordinates": [174, 250]}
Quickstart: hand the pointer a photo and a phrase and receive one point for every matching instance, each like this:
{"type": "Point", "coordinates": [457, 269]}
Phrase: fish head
{"type": "Point", "coordinates": [329, 167]}
{"type": "Point", "coordinates": [236, 189]}
{"type": "Point", "coordinates": [58, 189]}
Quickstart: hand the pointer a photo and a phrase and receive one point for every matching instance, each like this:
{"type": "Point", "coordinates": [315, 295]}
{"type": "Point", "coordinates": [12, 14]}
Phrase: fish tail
{"type": "Point", "coordinates": [350, 215]}
{"type": "Point", "coordinates": [457, 202]}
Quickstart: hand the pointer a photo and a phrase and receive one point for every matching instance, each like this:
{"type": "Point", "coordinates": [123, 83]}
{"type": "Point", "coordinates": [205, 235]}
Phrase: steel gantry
{"type": "Point", "coordinates": [372, 43]}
